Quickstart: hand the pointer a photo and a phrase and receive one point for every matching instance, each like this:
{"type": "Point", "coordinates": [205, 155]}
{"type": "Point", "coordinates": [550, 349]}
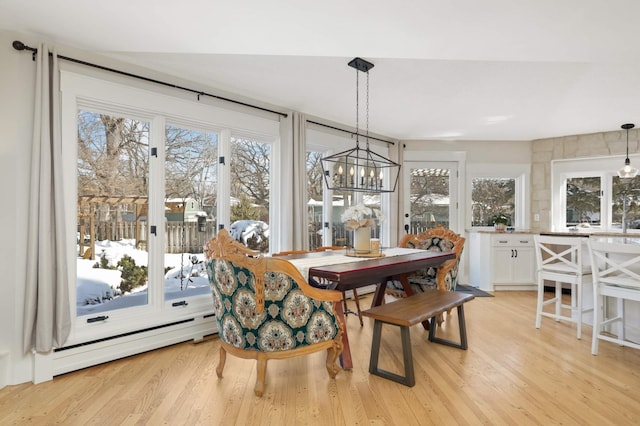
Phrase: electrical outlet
{"type": "Point", "coordinates": [536, 217]}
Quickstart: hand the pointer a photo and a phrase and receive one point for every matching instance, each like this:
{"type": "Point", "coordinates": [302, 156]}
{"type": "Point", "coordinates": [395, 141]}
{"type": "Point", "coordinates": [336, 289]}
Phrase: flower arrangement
{"type": "Point", "coordinates": [361, 216]}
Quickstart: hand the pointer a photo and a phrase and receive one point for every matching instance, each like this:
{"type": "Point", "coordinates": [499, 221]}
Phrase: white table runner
{"type": "Point", "coordinates": [336, 257]}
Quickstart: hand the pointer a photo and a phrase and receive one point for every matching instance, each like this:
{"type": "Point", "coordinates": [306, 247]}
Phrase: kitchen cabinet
{"type": "Point", "coordinates": [502, 261]}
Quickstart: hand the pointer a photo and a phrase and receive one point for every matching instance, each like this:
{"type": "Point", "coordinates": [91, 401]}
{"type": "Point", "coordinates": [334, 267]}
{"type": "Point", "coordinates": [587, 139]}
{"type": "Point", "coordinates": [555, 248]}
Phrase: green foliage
{"type": "Point", "coordinates": [244, 210]}
{"type": "Point", "coordinates": [500, 218]}
{"type": "Point", "coordinates": [132, 276]}
{"type": "Point", "coordinates": [103, 264]}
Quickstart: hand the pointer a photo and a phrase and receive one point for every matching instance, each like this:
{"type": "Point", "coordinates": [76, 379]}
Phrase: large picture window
{"type": "Point", "coordinates": [588, 194]}
{"type": "Point", "coordinates": [152, 186]}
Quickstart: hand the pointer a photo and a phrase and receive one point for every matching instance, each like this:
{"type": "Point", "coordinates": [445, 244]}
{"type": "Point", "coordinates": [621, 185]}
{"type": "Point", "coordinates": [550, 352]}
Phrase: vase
{"type": "Point", "coordinates": [362, 239]}
{"type": "Point", "coordinates": [500, 227]}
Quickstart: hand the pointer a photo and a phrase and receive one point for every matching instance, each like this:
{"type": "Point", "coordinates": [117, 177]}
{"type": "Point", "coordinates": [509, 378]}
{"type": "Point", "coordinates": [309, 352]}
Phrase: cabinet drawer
{"type": "Point", "coordinates": [524, 240]}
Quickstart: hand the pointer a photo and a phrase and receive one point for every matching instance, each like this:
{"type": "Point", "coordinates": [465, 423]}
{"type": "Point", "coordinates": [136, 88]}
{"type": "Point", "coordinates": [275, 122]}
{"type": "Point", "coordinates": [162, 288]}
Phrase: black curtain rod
{"type": "Point", "coordinates": [18, 45]}
{"type": "Point", "coordinates": [350, 132]}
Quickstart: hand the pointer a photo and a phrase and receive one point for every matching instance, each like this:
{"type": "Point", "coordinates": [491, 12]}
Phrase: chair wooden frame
{"type": "Point", "coordinates": [561, 260]}
{"type": "Point", "coordinates": [225, 247]}
{"type": "Point", "coordinates": [616, 274]}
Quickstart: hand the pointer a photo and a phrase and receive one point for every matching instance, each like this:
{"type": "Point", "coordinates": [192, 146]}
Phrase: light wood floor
{"type": "Point", "coordinates": [512, 374]}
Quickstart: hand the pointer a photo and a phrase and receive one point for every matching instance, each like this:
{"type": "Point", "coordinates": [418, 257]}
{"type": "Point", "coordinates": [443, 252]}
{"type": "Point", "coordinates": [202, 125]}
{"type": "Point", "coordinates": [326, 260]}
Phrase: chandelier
{"type": "Point", "coordinates": [627, 171]}
{"type": "Point", "coordinates": [359, 169]}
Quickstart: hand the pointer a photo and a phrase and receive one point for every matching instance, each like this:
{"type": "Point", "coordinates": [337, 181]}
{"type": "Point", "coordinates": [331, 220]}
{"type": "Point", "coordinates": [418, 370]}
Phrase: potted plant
{"type": "Point", "coordinates": [500, 221]}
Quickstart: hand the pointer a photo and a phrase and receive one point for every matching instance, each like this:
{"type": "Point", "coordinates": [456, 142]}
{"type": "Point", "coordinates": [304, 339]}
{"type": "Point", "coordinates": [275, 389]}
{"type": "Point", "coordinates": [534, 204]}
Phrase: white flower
{"type": "Point", "coordinates": [357, 212]}
{"type": "Point", "coordinates": [359, 216]}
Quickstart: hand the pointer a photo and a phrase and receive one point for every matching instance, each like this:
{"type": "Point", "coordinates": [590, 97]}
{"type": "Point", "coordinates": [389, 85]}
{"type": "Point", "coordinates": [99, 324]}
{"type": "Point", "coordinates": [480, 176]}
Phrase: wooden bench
{"type": "Point", "coordinates": [411, 311]}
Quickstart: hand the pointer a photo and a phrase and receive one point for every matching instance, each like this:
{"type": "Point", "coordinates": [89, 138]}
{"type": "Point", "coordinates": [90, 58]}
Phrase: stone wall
{"type": "Point", "coordinates": [565, 147]}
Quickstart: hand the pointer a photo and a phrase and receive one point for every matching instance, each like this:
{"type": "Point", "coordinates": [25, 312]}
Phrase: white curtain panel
{"type": "Point", "coordinates": [300, 223]}
{"type": "Point", "coordinates": [47, 321]}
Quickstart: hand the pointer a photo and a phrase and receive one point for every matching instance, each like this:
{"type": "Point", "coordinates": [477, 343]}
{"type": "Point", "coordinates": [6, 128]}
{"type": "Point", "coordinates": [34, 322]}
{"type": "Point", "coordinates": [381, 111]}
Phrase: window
{"type": "Point", "coordinates": [112, 182]}
{"type": "Point", "coordinates": [315, 191]}
{"type": "Point", "coordinates": [587, 193]}
{"type": "Point", "coordinates": [583, 201]}
{"type": "Point", "coordinates": [250, 183]}
{"type": "Point", "coordinates": [430, 193]}
{"type": "Point", "coordinates": [498, 188]}
{"type": "Point", "coordinates": [150, 184]}
{"type": "Point", "coordinates": [491, 196]}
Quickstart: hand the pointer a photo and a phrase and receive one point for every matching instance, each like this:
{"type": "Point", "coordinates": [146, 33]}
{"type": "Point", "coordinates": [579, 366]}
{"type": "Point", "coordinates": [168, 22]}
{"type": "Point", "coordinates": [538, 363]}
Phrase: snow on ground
{"type": "Point", "coordinates": [98, 289]}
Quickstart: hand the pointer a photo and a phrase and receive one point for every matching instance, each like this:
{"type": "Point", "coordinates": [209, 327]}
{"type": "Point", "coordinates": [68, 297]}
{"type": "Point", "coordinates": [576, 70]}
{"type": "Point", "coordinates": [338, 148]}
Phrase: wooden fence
{"type": "Point", "coordinates": [181, 237]}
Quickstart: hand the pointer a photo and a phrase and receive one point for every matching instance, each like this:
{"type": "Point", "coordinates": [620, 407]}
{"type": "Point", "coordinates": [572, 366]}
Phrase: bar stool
{"type": "Point", "coordinates": [616, 274]}
{"type": "Point", "coordinates": [560, 259]}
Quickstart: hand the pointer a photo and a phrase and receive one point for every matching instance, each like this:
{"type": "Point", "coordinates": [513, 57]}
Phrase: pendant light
{"type": "Point", "coordinates": [628, 171]}
{"type": "Point", "coordinates": [358, 169]}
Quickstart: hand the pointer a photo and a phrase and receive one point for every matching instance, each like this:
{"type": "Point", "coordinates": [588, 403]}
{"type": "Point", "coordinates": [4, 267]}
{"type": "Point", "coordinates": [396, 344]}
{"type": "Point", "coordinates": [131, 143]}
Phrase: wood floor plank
{"type": "Point", "coordinates": [512, 373]}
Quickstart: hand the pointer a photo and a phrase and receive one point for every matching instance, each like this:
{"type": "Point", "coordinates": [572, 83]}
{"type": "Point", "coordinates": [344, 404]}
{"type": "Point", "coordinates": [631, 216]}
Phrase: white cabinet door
{"type": "Point", "coordinates": [523, 266]}
{"type": "Point", "coordinates": [513, 260]}
{"type": "Point", "coordinates": [502, 264]}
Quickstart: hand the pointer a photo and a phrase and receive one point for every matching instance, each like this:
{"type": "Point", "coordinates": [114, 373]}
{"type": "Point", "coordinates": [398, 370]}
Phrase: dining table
{"type": "Point", "coordinates": [347, 272]}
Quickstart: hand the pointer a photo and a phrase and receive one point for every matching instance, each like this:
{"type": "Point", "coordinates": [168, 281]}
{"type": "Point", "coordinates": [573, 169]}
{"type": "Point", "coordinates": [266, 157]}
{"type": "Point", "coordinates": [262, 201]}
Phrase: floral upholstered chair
{"type": "Point", "coordinates": [266, 310]}
{"type": "Point", "coordinates": [445, 276]}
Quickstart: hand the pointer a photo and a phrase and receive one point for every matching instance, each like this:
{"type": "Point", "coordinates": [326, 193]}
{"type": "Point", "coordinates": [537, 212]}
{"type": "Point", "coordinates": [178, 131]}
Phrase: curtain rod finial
{"type": "Point", "coordinates": [18, 45]}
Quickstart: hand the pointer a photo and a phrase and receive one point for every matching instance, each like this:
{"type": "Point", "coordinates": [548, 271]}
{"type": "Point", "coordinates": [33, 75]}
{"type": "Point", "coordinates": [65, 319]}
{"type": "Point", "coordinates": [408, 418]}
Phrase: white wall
{"type": "Point", "coordinates": [17, 75]}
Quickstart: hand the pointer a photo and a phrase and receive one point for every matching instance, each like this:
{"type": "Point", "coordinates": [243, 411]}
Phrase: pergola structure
{"type": "Point", "coordinates": [87, 205]}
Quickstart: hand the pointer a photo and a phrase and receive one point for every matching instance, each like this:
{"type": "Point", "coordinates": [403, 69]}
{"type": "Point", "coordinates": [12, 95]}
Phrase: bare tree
{"type": "Point", "coordinates": [250, 170]}
{"type": "Point", "coordinates": [491, 196]}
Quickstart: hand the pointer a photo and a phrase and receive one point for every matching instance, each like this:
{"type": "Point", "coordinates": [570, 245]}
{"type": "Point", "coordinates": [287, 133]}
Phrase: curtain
{"type": "Point", "coordinates": [299, 183]}
{"type": "Point", "coordinates": [47, 321]}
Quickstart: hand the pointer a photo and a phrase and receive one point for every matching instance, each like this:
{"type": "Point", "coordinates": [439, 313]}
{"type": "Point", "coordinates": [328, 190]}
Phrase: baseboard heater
{"type": "Point", "coordinates": [82, 355]}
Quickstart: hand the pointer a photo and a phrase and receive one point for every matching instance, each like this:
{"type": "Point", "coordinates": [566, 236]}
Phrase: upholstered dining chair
{"type": "Point", "coordinates": [443, 277]}
{"type": "Point", "coordinates": [616, 275]}
{"type": "Point", "coordinates": [324, 284]}
{"type": "Point", "coordinates": [561, 260]}
{"type": "Point", "coordinates": [265, 309]}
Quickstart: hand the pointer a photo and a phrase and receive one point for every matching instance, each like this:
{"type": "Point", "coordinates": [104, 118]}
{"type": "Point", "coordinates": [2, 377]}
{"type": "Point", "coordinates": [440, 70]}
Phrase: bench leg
{"type": "Point", "coordinates": [463, 331]}
{"type": "Point", "coordinates": [409, 378]}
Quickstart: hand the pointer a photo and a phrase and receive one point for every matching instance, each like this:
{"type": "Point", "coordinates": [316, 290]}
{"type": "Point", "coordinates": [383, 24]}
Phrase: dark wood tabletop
{"type": "Point", "coordinates": [377, 270]}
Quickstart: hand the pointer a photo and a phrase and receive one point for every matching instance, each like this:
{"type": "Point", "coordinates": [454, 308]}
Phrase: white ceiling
{"type": "Point", "coordinates": [457, 69]}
